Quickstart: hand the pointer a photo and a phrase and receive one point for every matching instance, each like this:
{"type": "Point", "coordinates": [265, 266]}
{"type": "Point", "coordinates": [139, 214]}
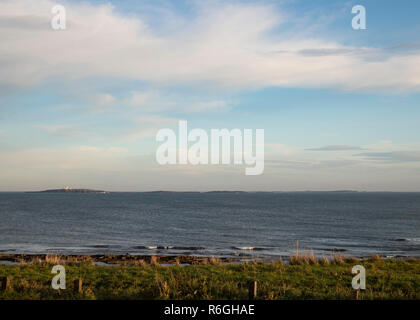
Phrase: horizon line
{"type": "Point", "coordinates": [222, 191]}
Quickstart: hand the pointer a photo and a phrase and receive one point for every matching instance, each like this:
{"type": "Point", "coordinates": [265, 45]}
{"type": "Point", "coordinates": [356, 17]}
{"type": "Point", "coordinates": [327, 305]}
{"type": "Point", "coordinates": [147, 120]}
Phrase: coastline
{"type": "Point", "coordinates": [129, 259]}
{"type": "Point", "coordinates": [115, 259]}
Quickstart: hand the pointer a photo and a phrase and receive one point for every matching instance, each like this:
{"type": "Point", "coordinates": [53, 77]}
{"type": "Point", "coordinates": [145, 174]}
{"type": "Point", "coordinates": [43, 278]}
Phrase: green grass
{"type": "Point", "coordinates": [301, 279]}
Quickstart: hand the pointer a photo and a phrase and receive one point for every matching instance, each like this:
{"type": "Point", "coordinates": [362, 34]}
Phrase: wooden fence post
{"type": "Point", "coordinates": [6, 283]}
{"type": "Point", "coordinates": [78, 286]}
{"type": "Point", "coordinates": [252, 290]}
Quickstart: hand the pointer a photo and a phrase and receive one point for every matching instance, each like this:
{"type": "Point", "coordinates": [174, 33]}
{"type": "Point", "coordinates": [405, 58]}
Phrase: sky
{"type": "Point", "coordinates": [81, 107]}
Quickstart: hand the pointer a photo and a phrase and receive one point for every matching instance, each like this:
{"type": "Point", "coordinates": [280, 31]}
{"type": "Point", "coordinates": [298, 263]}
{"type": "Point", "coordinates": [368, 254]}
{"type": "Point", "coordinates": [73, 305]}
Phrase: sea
{"type": "Point", "coordinates": [260, 225]}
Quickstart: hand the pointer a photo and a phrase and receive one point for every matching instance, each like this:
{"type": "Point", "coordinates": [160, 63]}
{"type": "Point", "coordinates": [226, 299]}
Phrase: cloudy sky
{"type": "Point", "coordinates": [81, 107]}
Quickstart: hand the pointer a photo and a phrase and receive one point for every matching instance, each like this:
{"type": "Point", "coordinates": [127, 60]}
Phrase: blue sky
{"type": "Point", "coordinates": [81, 107]}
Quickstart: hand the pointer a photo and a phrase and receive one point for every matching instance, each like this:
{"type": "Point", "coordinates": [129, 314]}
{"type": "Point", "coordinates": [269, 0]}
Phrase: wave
{"type": "Point", "coordinates": [168, 248]}
{"type": "Point", "coordinates": [104, 246]}
{"type": "Point", "coordinates": [249, 248]}
{"type": "Point", "coordinates": [330, 249]}
{"type": "Point", "coordinates": [406, 239]}
{"type": "Point", "coordinates": [7, 250]}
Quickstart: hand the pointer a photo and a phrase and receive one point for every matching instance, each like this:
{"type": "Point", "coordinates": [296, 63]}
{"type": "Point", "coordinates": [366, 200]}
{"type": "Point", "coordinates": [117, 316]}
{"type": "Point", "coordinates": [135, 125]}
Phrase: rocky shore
{"type": "Point", "coordinates": [113, 259]}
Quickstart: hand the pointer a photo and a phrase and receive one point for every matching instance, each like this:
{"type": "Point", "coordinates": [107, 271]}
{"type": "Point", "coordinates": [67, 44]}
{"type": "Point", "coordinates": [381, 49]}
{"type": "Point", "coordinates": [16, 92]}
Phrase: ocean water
{"type": "Point", "coordinates": [259, 225]}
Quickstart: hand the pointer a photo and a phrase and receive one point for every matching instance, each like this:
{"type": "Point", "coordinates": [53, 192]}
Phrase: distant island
{"type": "Point", "coordinates": [226, 191]}
{"type": "Point", "coordinates": [83, 190]}
{"type": "Point", "coordinates": [70, 190]}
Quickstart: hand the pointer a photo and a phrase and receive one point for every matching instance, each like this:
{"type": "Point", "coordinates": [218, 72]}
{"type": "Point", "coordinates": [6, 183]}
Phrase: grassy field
{"type": "Point", "coordinates": [302, 278]}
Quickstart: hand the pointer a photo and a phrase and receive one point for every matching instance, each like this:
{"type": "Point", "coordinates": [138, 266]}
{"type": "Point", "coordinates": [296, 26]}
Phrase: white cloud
{"type": "Point", "coordinates": [57, 129]}
{"type": "Point", "coordinates": [380, 154]}
{"type": "Point", "coordinates": [70, 131]}
{"type": "Point", "coordinates": [393, 156]}
{"type": "Point", "coordinates": [91, 157]}
{"type": "Point", "coordinates": [225, 45]}
{"type": "Point", "coordinates": [208, 106]}
{"type": "Point", "coordinates": [137, 128]}
{"type": "Point", "coordinates": [147, 127]}
{"type": "Point", "coordinates": [117, 168]}
{"type": "Point", "coordinates": [140, 99]}
{"type": "Point", "coordinates": [101, 102]}
{"type": "Point", "coordinates": [155, 101]}
{"type": "Point", "coordinates": [336, 148]}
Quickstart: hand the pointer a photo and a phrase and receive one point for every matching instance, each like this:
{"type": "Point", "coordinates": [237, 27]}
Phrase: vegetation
{"type": "Point", "coordinates": [303, 278]}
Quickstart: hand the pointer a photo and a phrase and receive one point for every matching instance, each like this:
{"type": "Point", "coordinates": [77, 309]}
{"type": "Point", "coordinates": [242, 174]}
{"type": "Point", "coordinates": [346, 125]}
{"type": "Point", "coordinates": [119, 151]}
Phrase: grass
{"type": "Point", "coordinates": [305, 277]}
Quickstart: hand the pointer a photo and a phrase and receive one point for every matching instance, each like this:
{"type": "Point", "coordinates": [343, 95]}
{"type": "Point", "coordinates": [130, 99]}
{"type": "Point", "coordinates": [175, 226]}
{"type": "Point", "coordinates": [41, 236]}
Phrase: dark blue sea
{"type": "Point", "coordinates": [259, 225]}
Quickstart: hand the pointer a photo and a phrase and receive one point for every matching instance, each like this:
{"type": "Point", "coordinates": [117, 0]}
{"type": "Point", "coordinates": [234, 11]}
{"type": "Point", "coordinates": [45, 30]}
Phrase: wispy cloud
{"type": "Point", "coordinates": [336, 148]}
{"type": "Point", "coordinates": [218, 46]}
{"type": "Point", "coordinates": [140, 127]}
{"type": "Point", "coordinates": [101, 102]}
{"type": "Point", "coordinates": [63, 131]}
{"type": "Point", "coordinates": [155, 101]}
{"type": "Point", "coordinates": [393, 156]}
{"type": "Point", "coordinates": [147, 126]}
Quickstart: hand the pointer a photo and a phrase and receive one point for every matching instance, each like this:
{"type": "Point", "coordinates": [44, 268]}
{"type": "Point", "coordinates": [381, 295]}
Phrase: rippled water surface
{"type": "Point", "coordinates": [263, 225]}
